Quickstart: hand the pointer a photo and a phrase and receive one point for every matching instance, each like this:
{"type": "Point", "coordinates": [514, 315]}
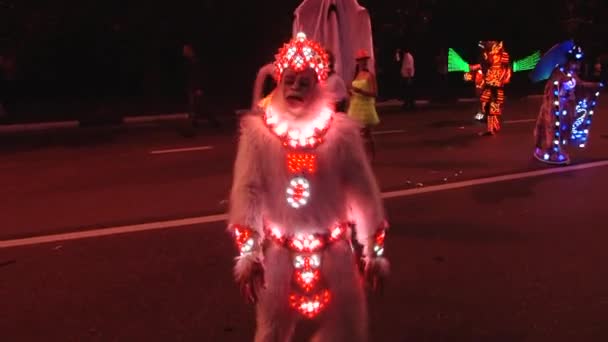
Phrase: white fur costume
{"type": "Point", "coordinates": [343, 188]}
{"type": "Point", "coordinates": [301, 177]}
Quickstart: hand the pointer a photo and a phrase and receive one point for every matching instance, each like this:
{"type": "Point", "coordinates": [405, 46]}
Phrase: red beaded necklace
{"type": "Point", "coordinates": [308, 136]}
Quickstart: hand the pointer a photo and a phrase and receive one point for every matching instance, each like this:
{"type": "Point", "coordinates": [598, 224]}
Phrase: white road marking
{"type": "Point", "coordinates": [153, 118]}
{"type": "Point", "coordinates": [388, 132]}
{"type": "Point", "coordinates": [223, 217]}
{"type": "Point", "coordinates": [38, 126]}
{"type": "Point", "coordinates": [519, 121]}
{"type": "Point", "coordinates": [495, 179]}
{"type": "Point", "coordinates": [113, 231]}
{"type": "Point", "coordinates": [185, 149]}
{"type": "Point", "coordinates": [394, 103]}
{"type": "Point", "coordinates": [388, 103]}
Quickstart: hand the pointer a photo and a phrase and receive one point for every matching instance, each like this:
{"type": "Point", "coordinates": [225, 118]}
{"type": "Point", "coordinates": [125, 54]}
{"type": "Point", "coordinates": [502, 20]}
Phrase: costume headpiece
{"type": "Point", "coordinates": [301, 53]}
{"type": "Point", "coordinates": [362, 54]}
{"type": "Point", "coordinates": [575, 53]}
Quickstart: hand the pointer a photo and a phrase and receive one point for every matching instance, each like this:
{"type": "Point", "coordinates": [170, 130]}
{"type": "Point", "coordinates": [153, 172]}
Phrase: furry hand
{"type": "Point", "coordinates": [375, 272]}
{"type": "Point", "coordinates": [249, 273]}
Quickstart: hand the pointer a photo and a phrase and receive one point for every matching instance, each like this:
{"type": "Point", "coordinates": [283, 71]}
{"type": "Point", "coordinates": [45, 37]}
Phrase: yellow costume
{"type": "Point", "coordinates": [363, 108]}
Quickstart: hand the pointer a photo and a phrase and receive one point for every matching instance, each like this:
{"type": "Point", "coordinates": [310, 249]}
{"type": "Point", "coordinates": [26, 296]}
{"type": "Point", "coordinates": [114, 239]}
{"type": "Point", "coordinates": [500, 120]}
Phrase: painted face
{"type": "Point", "coordinates": [187, 51]}
{"type": "Point", "coordinates": [362, 63]}
{"type": "Point", "coordinates": [574, 66]}
{"type": "Point", "coordinates": [495, 58]}
{"type": "Point", "coordinates": [298, 87]}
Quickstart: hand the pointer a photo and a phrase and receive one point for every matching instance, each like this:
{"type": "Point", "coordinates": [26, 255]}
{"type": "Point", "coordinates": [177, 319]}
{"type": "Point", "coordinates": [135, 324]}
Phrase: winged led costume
{"type": "Point", "coordinates": [490, 77]}
{"type": "Point", "coordinates": [566, 114]}
{"type": "Point", "coordinates": [301, 185]}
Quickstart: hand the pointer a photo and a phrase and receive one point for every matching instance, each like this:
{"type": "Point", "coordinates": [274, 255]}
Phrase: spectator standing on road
{"type": "Point", "coordinates": [195, 86]}
{"type": "Point", "coordinates": [407, 76]}
{"type": "Point", "coordinates": [442, 74]}
{"type": "Point", "coordinates": [597, 74]}
{"type": "Point", "coordinates": [335, 86]}
{"type": "Point", "coordinates": [8, 80]}
{"type": "Point", "coordinates": [362, 106]}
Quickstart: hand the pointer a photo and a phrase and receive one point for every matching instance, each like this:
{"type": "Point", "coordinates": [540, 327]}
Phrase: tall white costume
{"type": "Point", "coordinates": [301, 183]}
{"type": "Point", "coordinates": [342, 26]}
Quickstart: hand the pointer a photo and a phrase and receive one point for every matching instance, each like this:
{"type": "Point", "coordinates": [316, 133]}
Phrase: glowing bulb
{"type": "Point", "coordinates": [281, 128]}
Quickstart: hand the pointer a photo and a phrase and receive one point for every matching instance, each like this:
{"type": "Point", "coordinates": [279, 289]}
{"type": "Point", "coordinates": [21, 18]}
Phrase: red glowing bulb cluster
{"type": "Point", "coordinates": [301, 162]}
{"type": "Point", "coordinates": [302, 53]}
{"type": "Point", "coordinates": [309, 136]}
{"type": "Point", "coordinates": [310, 306]}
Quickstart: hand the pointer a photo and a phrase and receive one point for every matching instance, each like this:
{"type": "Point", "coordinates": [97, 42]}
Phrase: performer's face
{"type": "Point", "coordinates": [574, 66]}
{"type": "Point", "coordinates": [362, 63]}
{"type": "Point", "coordinates": [297, 87]}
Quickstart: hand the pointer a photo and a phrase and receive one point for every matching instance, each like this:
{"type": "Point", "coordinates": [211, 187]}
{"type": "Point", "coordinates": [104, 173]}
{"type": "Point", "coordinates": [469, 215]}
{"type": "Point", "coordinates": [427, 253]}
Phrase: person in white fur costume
{"type": "Point", "coordinates": [302, 182]}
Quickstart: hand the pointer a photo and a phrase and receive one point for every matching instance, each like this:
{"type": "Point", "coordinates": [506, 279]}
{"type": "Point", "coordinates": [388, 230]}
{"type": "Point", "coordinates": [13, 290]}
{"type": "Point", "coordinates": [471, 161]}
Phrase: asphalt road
{"type": "Point", "coordinates": [512, 260]}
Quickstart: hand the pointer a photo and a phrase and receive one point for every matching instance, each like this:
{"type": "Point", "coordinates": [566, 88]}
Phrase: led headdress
{"type": "Point", "coordinates": [576, 53]}
{"type": "Point", "coordinates": [301, 53]}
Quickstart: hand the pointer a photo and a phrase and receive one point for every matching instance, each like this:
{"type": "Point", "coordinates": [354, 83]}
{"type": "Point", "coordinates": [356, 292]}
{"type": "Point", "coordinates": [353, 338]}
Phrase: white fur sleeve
{"type": "Point", "coordinates": [363, 194]}
{"type": "Point", "coordinates": [245, 198]}
{"type": "Point", "coordinates": [245, 216]}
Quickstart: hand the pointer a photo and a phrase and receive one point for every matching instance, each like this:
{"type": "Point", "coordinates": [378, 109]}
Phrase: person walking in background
{"type": "Point", "coordinates": [362, 108]}
{"type": "Point", "coordinates": [597, 75]}
{"type": "Point", "coordinates": [335, 86]}
{"type": "Point", "coordinates": [194, 88]}
{"type": "Point", "coordinates": [8, 86]}
{"type": "Point", "coordinates": [407, 76]}
{"type": "Point", "coordinates": [442, 74]}
{"type": "Point", "coordinates": [2, 91]}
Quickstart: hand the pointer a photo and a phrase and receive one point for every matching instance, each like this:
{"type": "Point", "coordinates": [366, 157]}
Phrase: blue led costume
{"type": "Point", "coordinates": [566, 114]}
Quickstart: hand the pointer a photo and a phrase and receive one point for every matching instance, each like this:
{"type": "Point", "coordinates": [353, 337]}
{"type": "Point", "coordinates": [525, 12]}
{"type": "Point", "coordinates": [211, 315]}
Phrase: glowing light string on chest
{"type": "Point", "coordinates": [560, 89]}
{"type": "Point", "coordinates": [584, 113]}
{"type": "Point", "coordinates": [309, 295]}
{"type": "Point", "coordinates": [306, 137]}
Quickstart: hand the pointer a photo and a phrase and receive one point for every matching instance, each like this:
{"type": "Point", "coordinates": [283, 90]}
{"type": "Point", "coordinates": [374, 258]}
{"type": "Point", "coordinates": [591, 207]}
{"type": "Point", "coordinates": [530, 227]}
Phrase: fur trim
{"type": "Point", "coordinates": [343, 187]}
{"type": "Point", "coordinates": [246, 265]}
{"type": "Point", "coordinates": [247, 184]}
{"type": "Point", "coordinates": [378, 265]}
{"type": "Point", "coordinates": [263, 73]}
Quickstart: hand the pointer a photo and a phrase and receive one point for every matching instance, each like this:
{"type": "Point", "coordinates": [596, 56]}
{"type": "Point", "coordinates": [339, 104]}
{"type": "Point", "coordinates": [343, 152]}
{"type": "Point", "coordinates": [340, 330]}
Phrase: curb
{"type": "Point", "coordinates": [39, 126]}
